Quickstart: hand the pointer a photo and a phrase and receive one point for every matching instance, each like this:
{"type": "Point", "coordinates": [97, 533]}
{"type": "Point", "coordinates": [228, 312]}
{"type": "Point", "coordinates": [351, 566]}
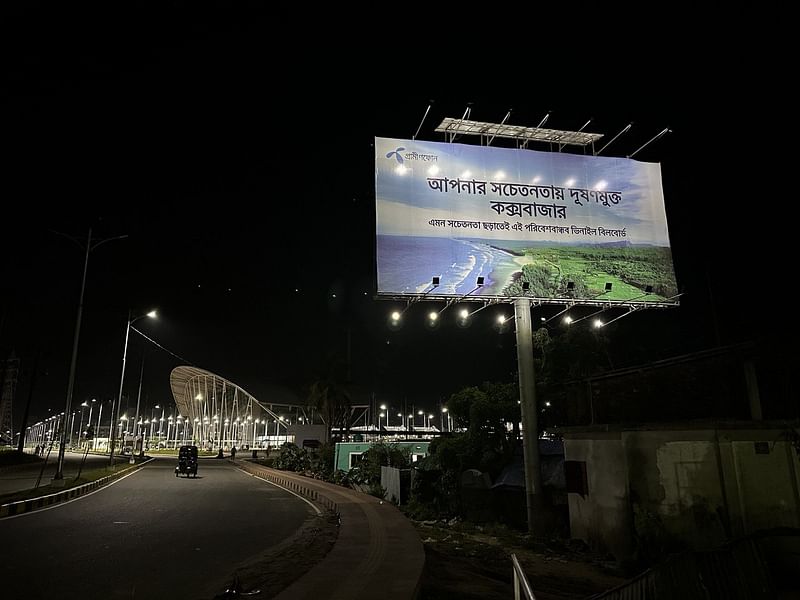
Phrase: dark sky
{"type": "Point", "coordinates": [239, 163]}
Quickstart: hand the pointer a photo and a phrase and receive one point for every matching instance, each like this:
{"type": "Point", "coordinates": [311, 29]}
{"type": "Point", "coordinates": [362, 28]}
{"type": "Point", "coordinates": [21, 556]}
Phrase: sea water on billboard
{"type": "Point", "coordinates": [460, 212]}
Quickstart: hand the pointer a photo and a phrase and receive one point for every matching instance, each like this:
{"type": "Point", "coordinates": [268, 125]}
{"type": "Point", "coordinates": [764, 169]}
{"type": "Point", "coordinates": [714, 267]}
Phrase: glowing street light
{"type": "Point", "coordinates": [152, 314]}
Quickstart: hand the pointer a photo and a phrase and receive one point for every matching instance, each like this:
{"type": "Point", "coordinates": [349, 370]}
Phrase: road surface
{"type": "Point", "coordinates": [148, 535]}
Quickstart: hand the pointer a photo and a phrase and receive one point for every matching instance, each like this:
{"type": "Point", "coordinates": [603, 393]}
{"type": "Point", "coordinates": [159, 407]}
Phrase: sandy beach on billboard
{"type": "Point", "coordinates": [508, 272]}
{"type": "Point", "coordinates": [526, 259]}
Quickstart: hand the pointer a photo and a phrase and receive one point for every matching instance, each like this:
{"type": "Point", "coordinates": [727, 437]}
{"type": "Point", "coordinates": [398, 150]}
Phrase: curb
{"type": "Point", "coordinates": [377, 547]}
{"type": "Point", "coordinates": [31, 504]}
{"type": "Point", "coordinates": [289, 484]}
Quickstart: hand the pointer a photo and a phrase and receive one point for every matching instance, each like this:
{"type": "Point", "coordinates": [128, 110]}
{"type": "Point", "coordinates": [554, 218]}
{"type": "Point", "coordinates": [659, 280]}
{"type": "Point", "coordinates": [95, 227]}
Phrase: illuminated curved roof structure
{"type": "Point", "coordinates": [193, 388]}
{"type": "Point", "coordinates": [218, 412]}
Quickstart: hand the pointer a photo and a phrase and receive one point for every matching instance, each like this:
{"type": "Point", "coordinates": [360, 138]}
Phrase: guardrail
{"type": "Point", "coordinates": [521, 581]}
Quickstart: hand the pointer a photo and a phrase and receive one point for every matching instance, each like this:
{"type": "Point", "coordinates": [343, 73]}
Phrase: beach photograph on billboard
{"type": "Point", "coordinates": [504, 222]}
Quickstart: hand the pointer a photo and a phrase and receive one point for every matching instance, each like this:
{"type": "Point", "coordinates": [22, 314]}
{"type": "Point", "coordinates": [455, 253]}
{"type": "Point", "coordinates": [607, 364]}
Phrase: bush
{"type": "Point", "coordinates": [292, 458]}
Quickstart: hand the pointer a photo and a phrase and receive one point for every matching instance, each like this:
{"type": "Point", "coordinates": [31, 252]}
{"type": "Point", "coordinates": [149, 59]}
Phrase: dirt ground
{"type": "Point", "coordinates": [273, 571]}
{"type": "Point", "coordinates": [461, 561]}
{"type": "Point", "coordinates": [464, 561]}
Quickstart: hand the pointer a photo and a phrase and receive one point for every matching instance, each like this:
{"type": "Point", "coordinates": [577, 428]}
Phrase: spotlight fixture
{"type": "Point", "coordinates": [526, 285]}
{"type": "Point", "coordinates": [648, 289]}
{"type": "Point", "coordinates": [435, 281]}
{"type": "Point", "coordinates": [608, 286]}
{"type": "Point", "coordinates": [570, 285]}
{"type": "Point", "coordinates": [479, 283]}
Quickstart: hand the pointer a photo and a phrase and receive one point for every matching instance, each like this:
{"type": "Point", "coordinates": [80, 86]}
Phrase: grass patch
{"type": "Point", "coordinates": [87, 476]}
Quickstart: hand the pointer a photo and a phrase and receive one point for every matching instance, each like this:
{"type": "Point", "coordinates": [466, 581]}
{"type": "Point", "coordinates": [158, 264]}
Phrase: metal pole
{"type": "Point", "coordinates": [136, 419]}
{"type": "Point", "coordinates": [59, 475]}
{"type": "Point", "coordinates": [97, 429]}
{"type": "Point", "coordinates": [80, 428]}
{"type": "Point", "coordinates": [537, 517]}
{"type": "Point", "coordinates": [119, 395]}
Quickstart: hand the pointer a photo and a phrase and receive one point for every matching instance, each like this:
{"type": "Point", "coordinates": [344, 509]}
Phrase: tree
{"type": "Point", "coordinates": [332, 401]}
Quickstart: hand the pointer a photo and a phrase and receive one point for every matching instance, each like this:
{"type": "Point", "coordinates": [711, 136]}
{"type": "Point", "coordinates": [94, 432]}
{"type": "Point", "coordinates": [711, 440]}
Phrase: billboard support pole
{"type": "Point", "coordinates": [624, 129]}
{"type": "Point", "coordinates": [503, 122]}
{"type": "Point", "coordinates": [536, 506]}
{"type": "Point", "coordinates": [425, 116]}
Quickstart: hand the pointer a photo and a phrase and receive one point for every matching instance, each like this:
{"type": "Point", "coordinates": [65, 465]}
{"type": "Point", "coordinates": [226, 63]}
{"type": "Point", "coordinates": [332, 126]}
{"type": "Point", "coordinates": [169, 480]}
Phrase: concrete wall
{"type": "Point", "coordinates": [693, 487]}
{"type": "Point", "coordinates": [602, 517]}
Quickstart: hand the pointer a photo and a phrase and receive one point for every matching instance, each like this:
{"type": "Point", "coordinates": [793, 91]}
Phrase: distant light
{"type": "Point", "coordinates": [598, 323]}
{"type": "Point", "coordinates": [547, 403]}
{"type": "Point", "coordinates": [400, 169]}
{"type": "Point", "coordinates": [542, 319]}
{"type": "Point", "coordinates": [395, 316]}
{"type": "Point", "coordinates": [333, 295]}
{"type": "Point", "coordinates": [537, 179]}
{"type": "Point", "coordinates": [567, 319]}
{"type": "Point", "coordinates": [152, 314]}
{"type": "Point", "coordinates": [198, 397]}
{"type": "Point", "coordinates": [466, 174]}
{"type": "Point", "coordinates": [501, 319]}
{"type": "Point", "coordinates": [433, 316]}
{"type": "Point", "coordinates": [383, 407]}
{"type": "Point", "coordinates": [444, 409]}
{"type": "Point", "coordinates": [500, 175]}
{"type": "Point", "coordinates": [433, 170]}
{"type": "Point", "coordinates": [430, 416]}
{"type": "Point", "coordinates": [382, 415]}
{"type": "Point", "coordinates": [365, 293]}
{"type": "Point", "coordinates": [570, 182]}
{"type": "Point", "coordinates": [601, 185]}
{"type": "Point", "coordinates": [296, 289]}
{"type": "Point", "coordinates": [464, 313]}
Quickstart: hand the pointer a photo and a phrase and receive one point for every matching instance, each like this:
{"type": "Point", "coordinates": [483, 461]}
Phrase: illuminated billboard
{"type": "Point", "coordinates": [544, 225]}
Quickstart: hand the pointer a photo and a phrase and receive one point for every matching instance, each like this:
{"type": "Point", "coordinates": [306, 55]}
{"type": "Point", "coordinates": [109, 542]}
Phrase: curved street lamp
{"type": "Point", "coordinates": [58, 477]}
{"type": "Point", "coordinates": [152, 314]}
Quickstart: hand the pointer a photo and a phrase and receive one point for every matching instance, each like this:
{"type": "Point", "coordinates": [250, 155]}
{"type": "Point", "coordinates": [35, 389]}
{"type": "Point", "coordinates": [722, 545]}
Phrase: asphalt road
{"type": "Point", "coordinates": [149, 535]}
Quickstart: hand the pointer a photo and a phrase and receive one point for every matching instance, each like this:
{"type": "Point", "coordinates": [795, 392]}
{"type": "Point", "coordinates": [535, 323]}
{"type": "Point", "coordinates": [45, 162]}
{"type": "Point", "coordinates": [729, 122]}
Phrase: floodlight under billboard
{"type": "Point", "coordinates": [549, 226]}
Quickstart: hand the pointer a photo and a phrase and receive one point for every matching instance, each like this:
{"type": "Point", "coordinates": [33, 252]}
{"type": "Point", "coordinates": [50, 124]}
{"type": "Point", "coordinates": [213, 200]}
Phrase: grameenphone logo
{"type": "Point", "coordinates": [400, 155]}
{"type": "Point", "coordinates": [396, 154]}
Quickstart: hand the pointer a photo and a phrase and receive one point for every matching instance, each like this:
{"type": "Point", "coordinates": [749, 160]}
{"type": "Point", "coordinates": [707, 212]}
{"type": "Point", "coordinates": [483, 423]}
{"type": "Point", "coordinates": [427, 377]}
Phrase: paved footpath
{"type": "Point", "coordinates": [378, 553]}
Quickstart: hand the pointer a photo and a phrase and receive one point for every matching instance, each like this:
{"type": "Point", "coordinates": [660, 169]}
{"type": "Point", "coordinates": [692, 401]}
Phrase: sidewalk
{"type": "Point", "coordinates": [377, 553]}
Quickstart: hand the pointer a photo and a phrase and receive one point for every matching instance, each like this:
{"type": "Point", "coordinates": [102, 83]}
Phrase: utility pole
{"type": "Point", "coordinates": [535, 501]}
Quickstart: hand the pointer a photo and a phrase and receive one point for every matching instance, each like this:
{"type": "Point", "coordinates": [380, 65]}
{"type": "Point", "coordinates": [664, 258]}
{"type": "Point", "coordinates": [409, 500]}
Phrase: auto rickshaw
{"type": "Point", "coordinates": [187, 461]}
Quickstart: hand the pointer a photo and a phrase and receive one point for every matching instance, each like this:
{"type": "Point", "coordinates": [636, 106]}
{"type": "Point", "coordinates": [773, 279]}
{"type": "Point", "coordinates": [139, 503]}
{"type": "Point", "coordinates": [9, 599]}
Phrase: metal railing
{"type": "Point", "coordinates": [521, 581]}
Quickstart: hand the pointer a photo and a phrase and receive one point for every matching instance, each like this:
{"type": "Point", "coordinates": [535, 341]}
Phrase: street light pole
{"type": "Point", "coordinates": [80, 425]}
{"type": "Point", "coordinates": [97, 429]}
{"type": "Point", "coordinates": [59, 474]}
{"type": "Point", "coordinates": [152, 315]}
{"type": "Point", "coordinates": [136, 418]}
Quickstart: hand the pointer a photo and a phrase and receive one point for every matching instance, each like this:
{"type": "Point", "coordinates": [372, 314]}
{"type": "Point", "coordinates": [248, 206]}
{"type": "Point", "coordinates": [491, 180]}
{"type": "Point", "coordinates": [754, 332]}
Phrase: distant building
{"type": "Point", "coordinates": [349, 453]}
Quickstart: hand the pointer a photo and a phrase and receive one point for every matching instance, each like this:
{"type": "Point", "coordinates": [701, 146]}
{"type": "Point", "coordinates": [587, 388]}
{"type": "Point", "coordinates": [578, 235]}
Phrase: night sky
{"type": "Point", "coordinates": [242, 170]}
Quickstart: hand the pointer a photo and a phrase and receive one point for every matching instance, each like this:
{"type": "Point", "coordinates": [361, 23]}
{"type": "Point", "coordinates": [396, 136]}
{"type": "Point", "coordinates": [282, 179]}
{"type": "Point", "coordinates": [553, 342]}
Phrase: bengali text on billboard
{"type": "Point", "coordinates": [540, 224]}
